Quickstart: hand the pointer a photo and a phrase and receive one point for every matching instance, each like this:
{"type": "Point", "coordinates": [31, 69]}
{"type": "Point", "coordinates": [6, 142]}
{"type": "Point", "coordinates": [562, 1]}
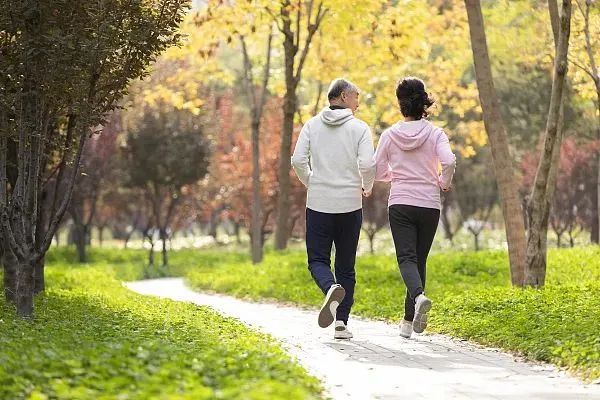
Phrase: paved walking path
{"type": "Point", "coordinates": [379, 364]}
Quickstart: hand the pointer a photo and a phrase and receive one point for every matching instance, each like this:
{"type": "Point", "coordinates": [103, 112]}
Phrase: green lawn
{"type": "Point", "coordinates": [471, 292]}
{"type": "Point", "coordinates": [93, 339]}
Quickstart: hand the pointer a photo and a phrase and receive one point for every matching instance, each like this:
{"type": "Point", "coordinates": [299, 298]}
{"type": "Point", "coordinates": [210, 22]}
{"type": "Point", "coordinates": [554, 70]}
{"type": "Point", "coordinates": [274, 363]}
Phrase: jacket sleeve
{"type": "Point", "coordinates": [366, 163]}
{"type": "Point", "coordinates": [447, 159]}
{"type": "Point", "coordinates": [382, 162]}
{"type": "Point", "coordinates": [300, 158]}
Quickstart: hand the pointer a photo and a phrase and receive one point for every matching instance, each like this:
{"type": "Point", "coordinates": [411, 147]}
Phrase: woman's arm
{"type": "Point", "coordinates": [447, 159]}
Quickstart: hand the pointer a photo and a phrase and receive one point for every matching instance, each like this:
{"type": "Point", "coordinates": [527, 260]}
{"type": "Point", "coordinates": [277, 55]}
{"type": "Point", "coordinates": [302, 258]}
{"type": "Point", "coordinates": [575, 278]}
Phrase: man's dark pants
{"type": "Point", "coordinates": [343, 230]}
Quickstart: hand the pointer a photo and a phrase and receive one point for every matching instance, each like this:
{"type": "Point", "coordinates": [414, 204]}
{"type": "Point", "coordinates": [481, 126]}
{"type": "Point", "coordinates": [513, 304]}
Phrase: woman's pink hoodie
{"type": "Point", "coordinates": [409, 156]}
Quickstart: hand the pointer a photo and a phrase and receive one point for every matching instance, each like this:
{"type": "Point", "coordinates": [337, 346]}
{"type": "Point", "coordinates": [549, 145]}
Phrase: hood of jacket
{"type": "Point", "coordinates": [336, 117]}
{"type": "Point", "coordinates": [410, 135]}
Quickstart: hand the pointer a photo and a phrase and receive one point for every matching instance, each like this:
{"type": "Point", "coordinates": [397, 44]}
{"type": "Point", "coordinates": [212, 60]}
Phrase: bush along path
{"type": "Point", "coordinates": [379, 364]}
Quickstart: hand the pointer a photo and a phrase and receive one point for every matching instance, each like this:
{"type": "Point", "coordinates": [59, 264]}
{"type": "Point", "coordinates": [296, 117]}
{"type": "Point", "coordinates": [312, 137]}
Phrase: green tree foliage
{"type": "Point", "coordinates": [165, 152]}
{"type": "Point", "coordinates": [65, 66]}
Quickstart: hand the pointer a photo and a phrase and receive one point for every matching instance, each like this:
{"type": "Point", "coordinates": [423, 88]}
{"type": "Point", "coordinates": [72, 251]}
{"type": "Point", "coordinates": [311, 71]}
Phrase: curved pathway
{"type": "Point", "coordinates": [379, 364]}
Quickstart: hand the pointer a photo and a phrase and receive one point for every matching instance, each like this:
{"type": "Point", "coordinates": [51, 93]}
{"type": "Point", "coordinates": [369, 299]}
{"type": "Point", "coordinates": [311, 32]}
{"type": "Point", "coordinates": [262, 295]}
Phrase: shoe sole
{"type": "Point", "coordinates": [420, 321]}
{"type": "Point", "coordinates": [342, 338]}
{"type": "Point", "coordinates": [332, 301]}
{"type": "Point", "coordinates": [405, 336]}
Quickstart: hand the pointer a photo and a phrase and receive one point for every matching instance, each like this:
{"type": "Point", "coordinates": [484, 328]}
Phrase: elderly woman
{"type": "Point", "coordinates": [409, 155]}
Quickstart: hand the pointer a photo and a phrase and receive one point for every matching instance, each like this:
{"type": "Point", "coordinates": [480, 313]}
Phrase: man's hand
{"type": "Point", "coordinates": [366, 193]}
{"type": "Point", "coordinates": [446, 189]}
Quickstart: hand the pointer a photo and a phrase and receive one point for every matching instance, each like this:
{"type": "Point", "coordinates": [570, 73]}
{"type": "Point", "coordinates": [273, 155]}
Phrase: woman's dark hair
{"type": "Point", "coordinates": [412, 97]}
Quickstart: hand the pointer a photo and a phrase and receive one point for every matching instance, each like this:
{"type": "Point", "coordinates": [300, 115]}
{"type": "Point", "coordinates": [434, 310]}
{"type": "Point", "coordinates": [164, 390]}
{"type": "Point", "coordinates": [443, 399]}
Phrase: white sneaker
{"type": "Point", "coordinates": [341, 331]}
{"type": "Point", "coordinates": [422, 307]}
{"type": "Point", "coordinates": [333, 298]}
{"type": "Point", "coordinates": [406, 329]}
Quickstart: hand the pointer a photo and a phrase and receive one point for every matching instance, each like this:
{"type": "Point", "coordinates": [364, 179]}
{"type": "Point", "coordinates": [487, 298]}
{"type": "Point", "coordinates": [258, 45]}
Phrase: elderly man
{"type": "Point", "coordinates": [333, 158]}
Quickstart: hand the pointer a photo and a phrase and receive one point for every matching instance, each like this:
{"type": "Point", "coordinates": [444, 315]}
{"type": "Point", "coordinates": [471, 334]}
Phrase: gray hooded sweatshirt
{"type": "Point", "coordinates": [333, 158]}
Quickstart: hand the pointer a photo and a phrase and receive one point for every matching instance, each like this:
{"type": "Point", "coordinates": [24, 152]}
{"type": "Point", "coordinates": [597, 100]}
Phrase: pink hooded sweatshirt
{"type": "Point", "coordinates": [409, 155]}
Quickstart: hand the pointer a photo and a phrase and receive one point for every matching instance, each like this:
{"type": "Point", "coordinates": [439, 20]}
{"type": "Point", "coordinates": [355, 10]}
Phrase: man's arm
{"type": "Point", "coordinates": [300, 158]}
{"type": "Point", "coordinates": [366, 163]}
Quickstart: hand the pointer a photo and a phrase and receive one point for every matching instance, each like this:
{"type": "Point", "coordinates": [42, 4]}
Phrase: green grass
{"type": "Point", "coordinates": [472, 297]}
{"type": "Point", "coordinates": [93, 339]}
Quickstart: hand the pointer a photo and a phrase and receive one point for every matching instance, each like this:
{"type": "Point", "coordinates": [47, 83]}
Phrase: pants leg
{"type": "Point", "coordinates": [409, 307]}
{"type": "Point", "coordinates": [428, 223]}
{"type": "Point", "coordinates": [319, 238]}
{"type": "Point", "coordinates": [404, 232]}
{"type": "Point", "coordinates": [347, 233]}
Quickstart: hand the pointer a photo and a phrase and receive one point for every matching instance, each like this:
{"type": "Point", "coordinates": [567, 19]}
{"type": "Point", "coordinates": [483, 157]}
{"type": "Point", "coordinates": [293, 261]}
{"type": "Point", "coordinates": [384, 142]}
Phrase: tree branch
{"type": "Point", "coordinates": [275, 20]}
{"type": "Point", "coordinates": [582, 67]}
{"type": "Point", "coordinates": [588, 45]}
{"type": "Point", "coordinates": [57, 217]}
{"type": "Point", "coordinates": [311, 28]}
{"type": "Point", "coordinates": [298, 18]}
{"type": "Point", "coordinates": [554, 19]}
{"type": "Point", "coordinates": [266, 75]}
{"type": "Point", "coordinates": [36, 178]}
{"type": "Point", "coordinates": [71, 124]}
{"type": "Point", "coordinates": [247, 77]}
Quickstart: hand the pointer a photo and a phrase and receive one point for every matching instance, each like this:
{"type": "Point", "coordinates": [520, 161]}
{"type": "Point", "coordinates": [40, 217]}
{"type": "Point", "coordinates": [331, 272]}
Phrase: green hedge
{"type": "Point", "coordinates": [93, 339]}
{"type": "Point", "coordinates": [471, 292]}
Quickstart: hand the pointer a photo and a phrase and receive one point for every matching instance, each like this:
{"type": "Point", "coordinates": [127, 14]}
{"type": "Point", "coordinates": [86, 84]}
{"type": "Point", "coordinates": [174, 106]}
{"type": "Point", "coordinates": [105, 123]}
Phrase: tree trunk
{"type": "Point", "coordinates": [503, 162]}
{"type": "Point", "coordinates": [163, 238]}
{"type": "Point", "coordinates": [292, 225]}
{"type": "Point", "coordinates": [596, 221]}
{"type": "Point", "coordinates": [293, 74]}
{"type": "Point", "coordinates": [128, 238]}
{"type": "Point", "coordinates": [290, 49]}
{"type": "Point", "coordinates": [571, 239]}
{"type": "Point", "coordinates": [10, 277]}
{"type": "Point", "coordinates": [256, 105]}
{"type": "Point", "coordinates": [213, 225]}
{"type": "Point", "coordinates": [256, 245]}
{"type": "Point", "coordinates": [595, 75]}
{"type": "Point", "coordinates": [541, 198]}
{"type": "Point", "coordinates": [371, 242]}
{"type": "Point", "coordinates": [237, 231]}
{"type": "Point", "coordinates": [151, 255]}
{"type": "Point", "coordinates": [71, 236]}
{"type": "Point", "coordinates": [558, 240]}
{"type": "Point", "coordinates": [25, 286]}
{"type": "Point", "coordinates": [283, 199]}
{"type": "Point", "coordinates": [39, 283]}
{"type": "Point", "coordinates": [81, 243]}
{"type": "Point", "coordinates": [446, 222]}
{"type": "Point", "coordinates": [100, 235]}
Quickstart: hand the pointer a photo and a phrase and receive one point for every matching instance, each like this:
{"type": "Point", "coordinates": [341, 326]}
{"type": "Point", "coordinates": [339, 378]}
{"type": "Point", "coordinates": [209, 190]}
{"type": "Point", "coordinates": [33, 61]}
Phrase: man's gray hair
{"type": "Point", "coordinates": [340, 85]}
